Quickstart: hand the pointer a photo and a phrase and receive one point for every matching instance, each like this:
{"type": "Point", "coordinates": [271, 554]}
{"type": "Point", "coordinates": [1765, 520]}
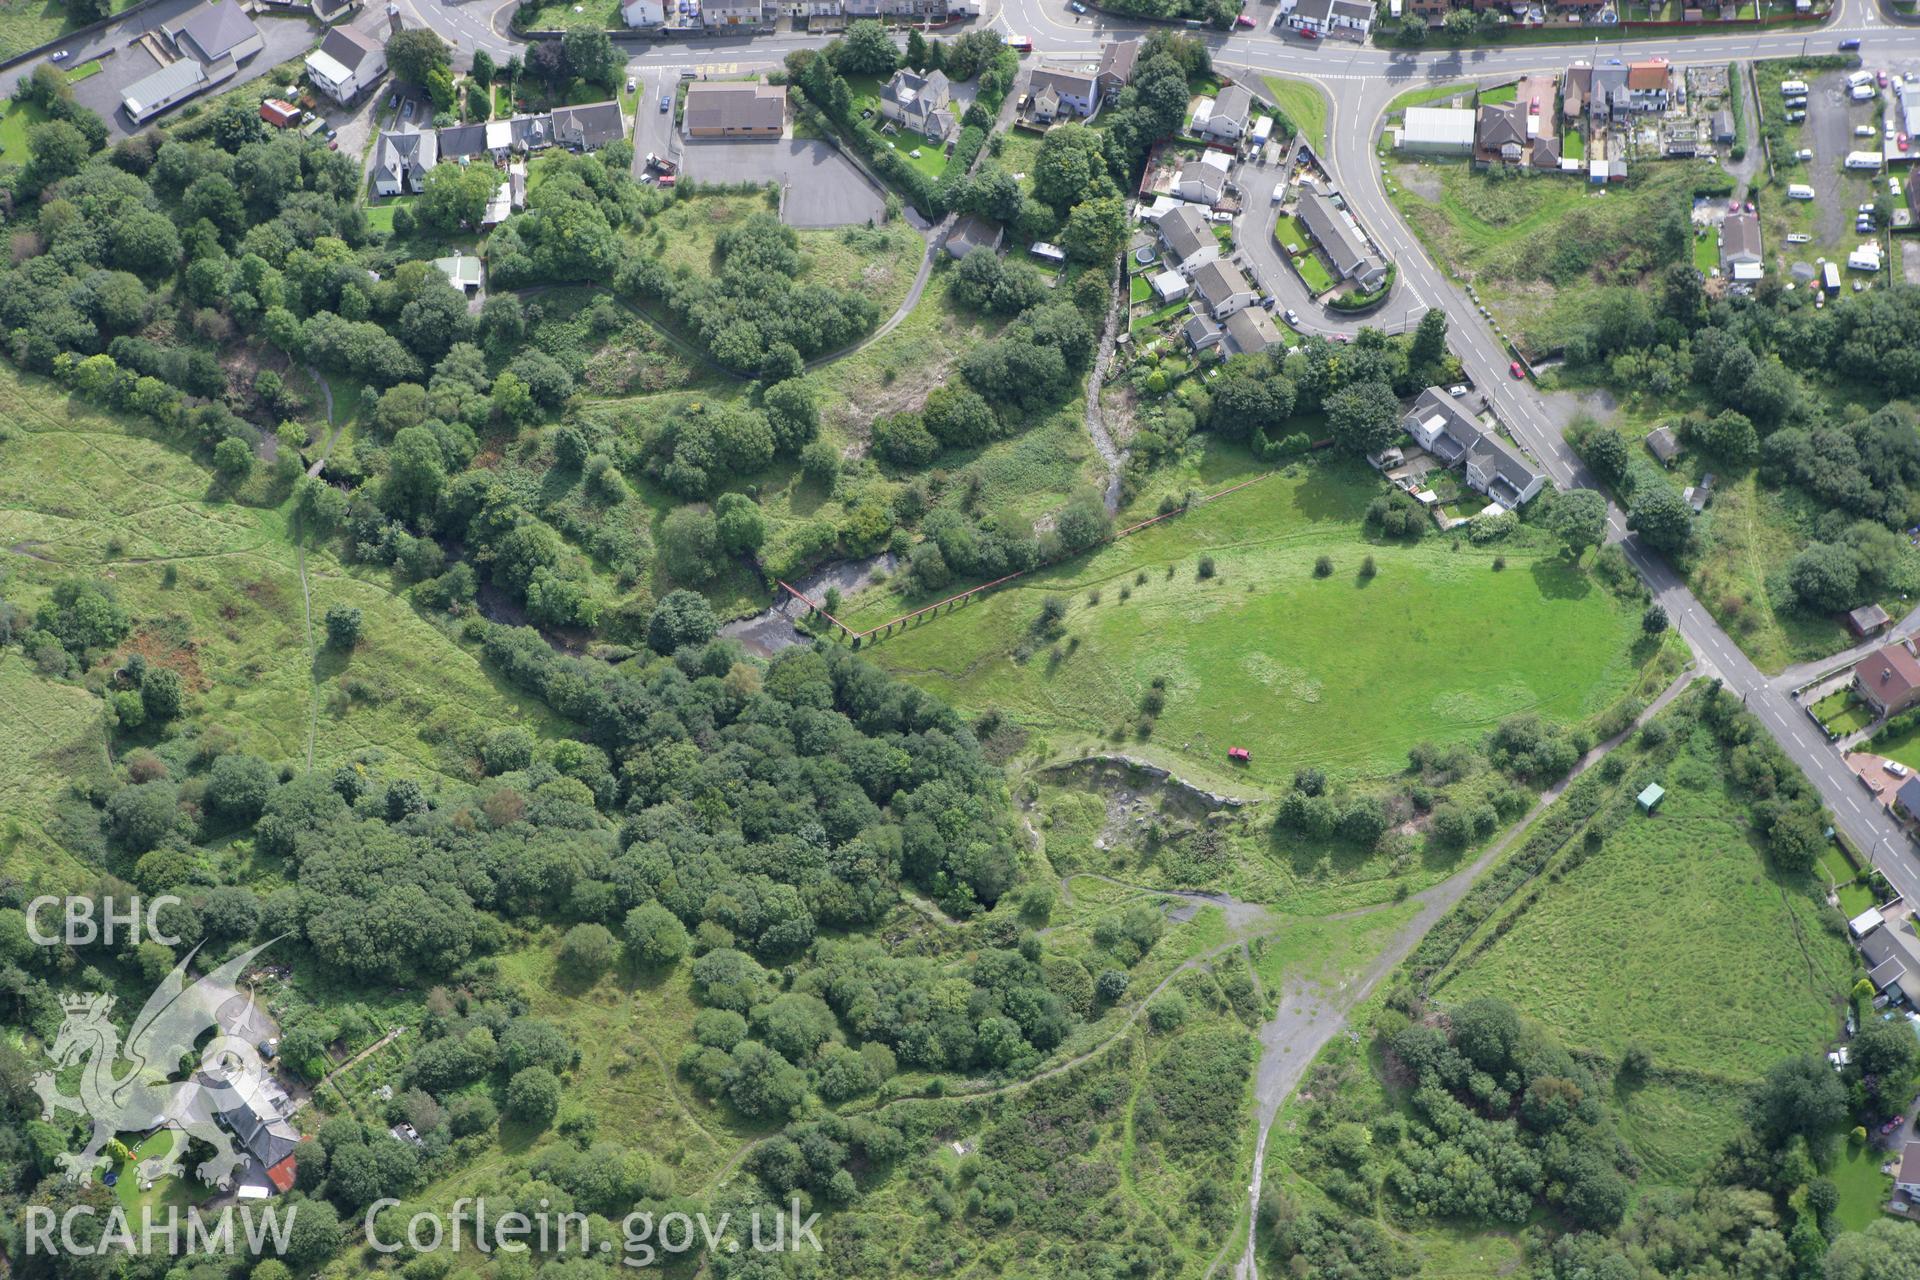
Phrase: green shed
{"type": "Point", "coordinates": [1651, 797]}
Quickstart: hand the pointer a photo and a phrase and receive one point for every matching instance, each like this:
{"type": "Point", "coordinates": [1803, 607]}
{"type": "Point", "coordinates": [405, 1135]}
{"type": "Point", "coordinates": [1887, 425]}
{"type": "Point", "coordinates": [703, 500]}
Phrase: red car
{"type": "Point", "coordinates": [1304, 34]}
{"type": "Point", "coordinates": [1514, 368]}
{"type": "Point", "coordinates": [1893, 1124]}
{"type": "Point", "coordinates": [1902, 141]}
{"type": "Point", "coordinates": [1881, 76]}
{"type": "Point", "coordinates": [1243, 21]}
{"type": "Point", "coordinates": [1341, 337]}
{"type": "Point", "coordinates": [1733, 206]}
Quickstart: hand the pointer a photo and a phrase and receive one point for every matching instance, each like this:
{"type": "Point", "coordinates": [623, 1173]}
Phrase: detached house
{"type": "Point", "coordinates": [1117, 59]}
{"type": "Point", "coordinates": [1740, 246]}
{"type": "Point", "coordinates": [1649, 85]}
{"type": "Point", "coordinates": [1189, 239]}
{"type": "Point", "coordinates": [1226, 115]}
{"type": "Point", "coordinates": [1492, 467]}
{"type": "Point", "coordinates": [402, 161]}
{"type": "Point", "coordinates": [919, 102]}
{"type": "Point", "coordinates": [1888, 680]}
{"type": "Point", "coordinates": [1203, 179]}
{"type": "Point", "coordinates": [1058, 90]}
{"type": "Point", "coordinates": [346, 64]}
{"type": "Point", "coordinates": [1223, 289]}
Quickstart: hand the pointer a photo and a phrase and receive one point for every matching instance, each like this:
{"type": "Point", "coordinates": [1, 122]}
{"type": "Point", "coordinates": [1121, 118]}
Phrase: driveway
{"type": "Point", "coordinates": [822, 188]}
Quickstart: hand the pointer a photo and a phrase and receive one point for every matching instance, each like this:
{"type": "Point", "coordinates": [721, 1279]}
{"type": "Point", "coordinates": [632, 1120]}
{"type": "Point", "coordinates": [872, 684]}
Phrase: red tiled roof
{"type": "Point", "coordinates": [1653, 74]}
{"type": "Point", "coordinates": [1890, 673]}
{"type": "Point", "coordinates": [281, 1175]}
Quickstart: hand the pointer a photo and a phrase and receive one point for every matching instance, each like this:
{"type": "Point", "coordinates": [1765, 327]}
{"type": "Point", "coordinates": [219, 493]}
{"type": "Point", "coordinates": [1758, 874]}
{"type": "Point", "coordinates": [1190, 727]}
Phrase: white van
{"type": "Point", "coordinates": [1799, 191]}
{"type": "Point", "coordinates": [1863, 159]}
{"type": "Point", "coordinates": [1789, 88]}
{"type": "Point", "coordinates": [1863, 92]}
{"type": "Point", "coordinates": [1859, 78]}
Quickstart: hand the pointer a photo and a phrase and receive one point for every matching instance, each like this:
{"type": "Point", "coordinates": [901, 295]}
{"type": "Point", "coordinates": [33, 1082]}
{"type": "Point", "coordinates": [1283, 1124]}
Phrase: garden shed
{"type": "Point", "coordinates": [1651, 797]}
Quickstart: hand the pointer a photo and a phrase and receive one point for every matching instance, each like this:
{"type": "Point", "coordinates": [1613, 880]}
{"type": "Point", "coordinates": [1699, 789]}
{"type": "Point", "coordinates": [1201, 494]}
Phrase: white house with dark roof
{"type": "Point", "coordinates": [1251, 331]}
{"type": "Point", "coordinates": [1227, 117]}
{"type": "Point", "coordinates": [1439, 425]}
{"type": "Point", "coordinates": [1071, 90]}
{"type": "Point", "coordinates": [347, 64]}
{"type": "Point", "coordinates": [1189, 239]}
{"type": "Point", "coordinates": [1223, 289]}
{"type": "Point", "coordinates": [1347, 18]}
{"type": "Point", "coordinates": [1203, 179]}
{"type": "Point", "coordinates": [1117, 59]}
{"type": "Point", "coordinates": [589, 126]}
{"type": "Point", "coordinates": [402, 161]}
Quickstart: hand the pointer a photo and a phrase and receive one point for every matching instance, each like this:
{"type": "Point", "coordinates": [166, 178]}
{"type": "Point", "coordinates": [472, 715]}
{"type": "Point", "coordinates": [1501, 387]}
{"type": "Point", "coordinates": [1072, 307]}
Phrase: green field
{"type": "Point", "coordinates": [15, 119]}
{"type": "Point", "coordinates": [1675, 935]}
{"type": "Point", "coordinates": [1338, 672]}
{"type": "Point", "coordinates": [1304, 104]}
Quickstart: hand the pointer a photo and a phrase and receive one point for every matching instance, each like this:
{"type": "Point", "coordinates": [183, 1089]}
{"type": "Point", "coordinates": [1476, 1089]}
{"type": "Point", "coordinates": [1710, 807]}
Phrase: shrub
{"type": "Point", "coordinates": [1323, 567]}
{"type": "Point", "coordinates": [1206, 568]}
{"type": "Point", "coordinates": [343, 623]}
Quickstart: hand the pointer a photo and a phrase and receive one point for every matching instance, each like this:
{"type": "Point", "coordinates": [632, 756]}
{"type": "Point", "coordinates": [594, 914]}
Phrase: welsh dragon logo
{"type": "Point", "coordinates": [147, 1096]}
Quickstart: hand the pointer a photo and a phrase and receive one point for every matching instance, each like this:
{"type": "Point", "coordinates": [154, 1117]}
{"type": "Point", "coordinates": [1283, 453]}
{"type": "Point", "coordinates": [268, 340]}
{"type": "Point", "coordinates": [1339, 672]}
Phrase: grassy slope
{"type": "Point", "coordinates": [1304, 104]}
{"type": "Point", "coordinates": [85, 493]}
{"type": "Point", "coordinates": [1334, 672]}
{"type": "Point", "coordinates": [1676, 936]}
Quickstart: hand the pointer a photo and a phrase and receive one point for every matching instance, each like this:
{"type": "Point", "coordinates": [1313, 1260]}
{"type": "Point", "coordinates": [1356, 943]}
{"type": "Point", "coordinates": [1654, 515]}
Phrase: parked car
{"type": "Point", "coordinates": [1243, 21]}
{"type": "Point", "coordinates": [1795, 117]}
{"type": "Point", "coordinates": [1077, 7]}
{"type": "Point", "coordinates": [1749, 206]}
{"type": "Point", "coordinates": [1865, 207]}
{"type": "Point", "coordinates": [1733, 206]}
{"type": "Point", "coordinates": [1292, 317]}
{"type": "Point", "coordinates": [1895, 768]}
{"type": "Point", "coordinates": [1513, 367]}
{"type": "Point", "coordinates": [1457, 389]}
{"type": "Point", "coordinates": [1893, 187]}
{"type": "Point", "coordinates": [1307, 35]}
{"type": "Point", "coordinates": [1893, 1124]}
{"type": "Point", "coordinates": [1900, 140]}
{"type": "Point", "coordinates": [630, 84]}
{"type": "Point", "coordinates": [406, 112]}
{"type": "Point", "coordinates": [1804, 153]}
{"type": "Point", "coordinates": [59, 55]}
{"type": "Point", "coordinates": [1881, 77]}
{"type": "Point", "coordinates": [1343, 337]}
{"type": "Point", "coordinates": [1219, 215]}
{"type": "Point", "coordinates": [1863, 131]}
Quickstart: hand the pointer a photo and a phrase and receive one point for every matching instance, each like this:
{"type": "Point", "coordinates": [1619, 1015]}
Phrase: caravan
{"type": "Point", "coordinates": [1793, 88]}
{"type": "Point", "coordinates": [1799, 191]}
{"type": "Point", "coordinates": [1863, 160]}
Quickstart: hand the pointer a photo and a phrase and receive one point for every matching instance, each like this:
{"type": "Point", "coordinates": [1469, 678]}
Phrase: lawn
{"type": "Point", "coordinates": [1842, 712]}
{"type": "Point", "coordinates": [1901, 743]}
{"type": "Point", "coordinates": [1573, 144]}
{"type": "Point", "coordinates": [1316, 276]}
{"type": "Point", "coordinates": [380, 213]}
{"type": "Point", "coordinates": [1706, 251]}
{"type": "Point", "coordinates": [84, 70]}
{"type": "Point", "coordinates": [1304, 104]}
{"type": "Point", "coordinates": [1863, 1188]}
{"type": "Point", "coordinates": [932, 159]}
{"type": "Point", "coordinates": [1537, 251]}
{"type": "Point", "coordinates": [1430, 93]}
{"type": "Point", "coordinates": [1339, 672]}
{"type": "Point", "coordinates": [1610, 953]}
{"type": "Point", "coordinates": [558, 15]}
{"type": "Point", "coordinates": [1498, 96]}
{"type": "Point", "coordinates": [1138, 290]}
{"type": "Point", "coordinates": [15, 119]}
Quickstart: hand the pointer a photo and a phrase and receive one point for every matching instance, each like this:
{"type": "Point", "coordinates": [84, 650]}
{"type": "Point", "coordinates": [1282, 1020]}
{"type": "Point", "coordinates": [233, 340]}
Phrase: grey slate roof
{"type": "Point", "coordinates": [590, 126]}
{"type": "Point", "coordinates": [1185, 231]}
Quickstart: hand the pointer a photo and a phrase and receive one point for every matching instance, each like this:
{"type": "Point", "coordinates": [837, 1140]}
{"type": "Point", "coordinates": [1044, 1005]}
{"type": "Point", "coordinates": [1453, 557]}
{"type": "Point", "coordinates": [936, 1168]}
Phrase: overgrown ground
{"type": "Point", "coordinates": [1535, 247]}
{"type": "Point", "coordinates": [1342, 672]}
{"type": "Point", "coordinates": [28, 24]}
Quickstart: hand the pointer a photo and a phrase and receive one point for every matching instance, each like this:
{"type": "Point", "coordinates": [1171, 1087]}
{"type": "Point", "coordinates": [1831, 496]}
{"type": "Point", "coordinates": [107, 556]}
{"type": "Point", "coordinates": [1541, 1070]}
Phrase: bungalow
{"type": "Point", "coordinates": [974, 232]}
{"type": "Point", "coordinates": [1189, 238]}
{"type": "Point", "coordinates": [347, 64]}
{"type": "Point", "coordinates": [1227, 118]}
{"type": "Point", "coordinates": [1664, 445]}
{"type": "Point", "coordinates": [402, 161]}
{"type": "Point", "coordinates": [1203, 179]}
{"type": "Point", "coordinates": [1740, 243]}
{"type": "Point", "coordinates": [1223, 289]}
{"type": "Point", "coordinates": [1339, 236]}
{"type": "Point", "coordinates": [1117, 58]}
{"type": "Point", "coordinates": [1348, 19]}
{"type": "Point", "coordinates": [738, 110]}
{"type": "Point", "coordinates": [1888, 679]}
{"type": "Point", "coordinates": [171, 85]}
{"type": "Point", "coordinates": [1064, 90]}
{"type": "Point", "coordinates": [919, 102]}
{"type": "Point", "coordinates": [1251, 331]}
